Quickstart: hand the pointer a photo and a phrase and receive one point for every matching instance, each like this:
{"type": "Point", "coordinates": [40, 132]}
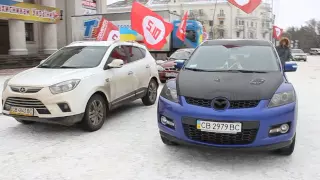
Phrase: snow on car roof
{"type": "Point", "coordinates": [91, 43]}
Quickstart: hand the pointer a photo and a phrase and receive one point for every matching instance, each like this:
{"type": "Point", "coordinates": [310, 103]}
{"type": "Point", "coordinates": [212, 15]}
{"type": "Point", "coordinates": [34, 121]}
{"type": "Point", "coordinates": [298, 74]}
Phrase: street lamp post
{"type": "Point", "coordinates": [214, 14]}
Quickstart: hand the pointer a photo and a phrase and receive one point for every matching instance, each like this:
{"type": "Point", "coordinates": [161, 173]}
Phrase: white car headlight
{"type": "Point", "coordinates": [160, 68]}
{"type": "Point", "coordinates": [282, 98]}
{"type": "Point", "coordinates": [5, 84]}
{"type": "Point", "coordinates": [64, 86]}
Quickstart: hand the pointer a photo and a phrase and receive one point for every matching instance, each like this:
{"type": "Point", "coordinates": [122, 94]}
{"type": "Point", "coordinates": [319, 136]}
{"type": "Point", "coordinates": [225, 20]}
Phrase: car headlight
{"type": "Point", "coordinates": [64, 86]}
{"type": "Point", "coordinates": [5, 84]}
{"type": "Point", "coordinates": [283, 98]}
{"type": "Point", "coordinates": [160, 68]}
{"type": "Point", "coordinates": [169, 92]}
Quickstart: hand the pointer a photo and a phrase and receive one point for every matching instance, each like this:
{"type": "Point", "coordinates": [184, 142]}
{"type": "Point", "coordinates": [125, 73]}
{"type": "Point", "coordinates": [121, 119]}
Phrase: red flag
{"type": "Point", "coordinates": [277, 32]}
{"type": "Point", "coordinates": [246, 5]}
{"type": "Point", "coordinates": [150, 25]}
{"type": "Point", "coordinates": [181, 32]}
{"type": "Point", "coordinates": [107, 31]}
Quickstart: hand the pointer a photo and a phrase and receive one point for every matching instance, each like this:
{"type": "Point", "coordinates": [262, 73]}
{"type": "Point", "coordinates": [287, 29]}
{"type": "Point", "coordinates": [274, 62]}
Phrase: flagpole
{"type": "Point", "coordinates": [214, 14]}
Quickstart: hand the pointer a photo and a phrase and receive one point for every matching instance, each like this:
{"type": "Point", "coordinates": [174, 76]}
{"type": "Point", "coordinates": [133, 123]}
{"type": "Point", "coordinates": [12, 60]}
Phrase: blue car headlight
{"type": "Point", "coordinates": [283, 98]}
{"type": "Point", "coordinates": [169, 92]}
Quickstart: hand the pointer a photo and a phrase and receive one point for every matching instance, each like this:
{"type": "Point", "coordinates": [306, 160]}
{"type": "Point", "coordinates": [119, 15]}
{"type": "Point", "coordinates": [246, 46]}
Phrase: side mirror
{"type": "Point", "coordinates": [290, 67]}
{"type": "Point", "coordinates": [42, 61]}
{"type": "Point", "coordinates": [179, 64]}
{"type": "Point", "coordinates": [116, 63]}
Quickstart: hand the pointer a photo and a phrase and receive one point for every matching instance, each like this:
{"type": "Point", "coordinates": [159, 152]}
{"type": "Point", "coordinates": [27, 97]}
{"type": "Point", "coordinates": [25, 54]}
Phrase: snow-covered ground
{"type": "Point", "coordinates": [128, 147]}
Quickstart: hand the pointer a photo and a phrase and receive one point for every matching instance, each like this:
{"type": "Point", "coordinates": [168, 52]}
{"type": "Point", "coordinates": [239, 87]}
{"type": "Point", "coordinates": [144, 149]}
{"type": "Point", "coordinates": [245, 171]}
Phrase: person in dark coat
{"type": "Point", "coordinates": [284, 51]}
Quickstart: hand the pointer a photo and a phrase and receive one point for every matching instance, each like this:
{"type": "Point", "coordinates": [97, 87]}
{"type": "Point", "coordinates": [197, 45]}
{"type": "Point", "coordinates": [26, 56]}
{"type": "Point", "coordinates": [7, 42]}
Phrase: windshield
{"type": "Point", "coordinates": [180, 55]}
{"type": "Point", "coordinates": [76, 57]}
{"type": "Point", "coordinates": [296, 51]}
{"type": "Point", "coordinates": [228, 57]}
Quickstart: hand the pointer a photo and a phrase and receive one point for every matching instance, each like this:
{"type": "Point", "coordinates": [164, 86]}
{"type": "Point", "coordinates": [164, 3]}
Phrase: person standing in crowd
{"type": "Point", "coordinates": [284, 51]}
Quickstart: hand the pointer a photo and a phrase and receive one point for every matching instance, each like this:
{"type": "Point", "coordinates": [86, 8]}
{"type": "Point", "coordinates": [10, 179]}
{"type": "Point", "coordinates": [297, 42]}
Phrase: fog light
{"type": "Point", "coordinates": [165, 121]}
{"type": "Point", "coordinates": [284, 128]}
{"type": "Point", "coordinates": [64, 107]}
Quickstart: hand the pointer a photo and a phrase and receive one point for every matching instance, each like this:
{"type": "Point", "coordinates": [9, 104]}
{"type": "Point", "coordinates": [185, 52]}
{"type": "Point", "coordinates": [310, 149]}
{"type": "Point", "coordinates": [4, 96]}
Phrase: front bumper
{"type": "Point", "coordinates": [66, 121]}
{"type": "Point", "coordinates": [47, 106]}
{"type": "Point", "coordinates": [256, 124]}
{"type": "Point", "coordinates": [300, 58]}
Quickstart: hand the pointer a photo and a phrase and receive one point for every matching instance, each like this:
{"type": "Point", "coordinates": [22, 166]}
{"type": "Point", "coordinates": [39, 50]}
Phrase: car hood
{"type": "Point", "coordinates": [299, 54]}
{"type": "Point", "coordinates": [46, 77]}
{"type": "Point", "coordinates": [234, 86]}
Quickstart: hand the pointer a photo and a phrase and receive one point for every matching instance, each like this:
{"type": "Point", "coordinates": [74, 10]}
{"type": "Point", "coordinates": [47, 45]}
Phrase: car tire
{"type": "Point", "coordinates": [25, 122]}
{"type": "Point", "coordinates": [152, 93]}
{"type": "Point", "coordinates": [95, 114]}
{"type": "Point", "coordinates": [163, 81]}
{"type": "Point", "coordinates": [168, 142]}
{"type": "Point", "coordinates": [287, 151]}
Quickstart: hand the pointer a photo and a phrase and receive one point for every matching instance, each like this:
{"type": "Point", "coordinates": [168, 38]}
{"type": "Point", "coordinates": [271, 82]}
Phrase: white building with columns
{"type": "Point", "coordinates": [22, 37]}
{"type": "Point", "coordinates": [227, 20]}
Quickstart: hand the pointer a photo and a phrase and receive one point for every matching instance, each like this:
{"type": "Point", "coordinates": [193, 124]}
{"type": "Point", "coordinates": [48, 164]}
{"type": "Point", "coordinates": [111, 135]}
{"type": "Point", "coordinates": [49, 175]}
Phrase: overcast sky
{"type": "Point", "coordinates": [295, 12]}
{"type": "Point", "coordinates": [289, 12]}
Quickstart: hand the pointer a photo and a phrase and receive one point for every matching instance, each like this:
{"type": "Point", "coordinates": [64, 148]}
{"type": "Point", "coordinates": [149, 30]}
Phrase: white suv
{"type": "Point", "coordinates": [81, 83]}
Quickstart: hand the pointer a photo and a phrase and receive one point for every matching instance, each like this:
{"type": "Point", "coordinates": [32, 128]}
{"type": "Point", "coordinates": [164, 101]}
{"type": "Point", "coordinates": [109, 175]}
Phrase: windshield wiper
{"type": "Point", "coordinates": [69, 67]}
{"type": "Point", "coordinates": [238, 71]}
{"type": "Point", "coordinates": [44, 66]}
{"type": "Point", "coordinates": [195, 69]}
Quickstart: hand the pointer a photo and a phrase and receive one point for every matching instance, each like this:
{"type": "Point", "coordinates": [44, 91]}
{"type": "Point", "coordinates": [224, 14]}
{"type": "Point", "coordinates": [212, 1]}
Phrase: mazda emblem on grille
{"type": "Point", "coordinates": [220, 103]}
{"type": "Point", "coordinates": [22, 90]}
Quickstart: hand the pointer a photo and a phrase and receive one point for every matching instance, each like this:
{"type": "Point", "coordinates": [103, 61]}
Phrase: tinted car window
{"type": "Point", "coordinates": [119, 52]}
{"type": "Point", "coordinates": [76, 57]}
{"type": "Point", "coordinates": [135, 53]}
{"type": "Point", "coordinates": [219, 57]}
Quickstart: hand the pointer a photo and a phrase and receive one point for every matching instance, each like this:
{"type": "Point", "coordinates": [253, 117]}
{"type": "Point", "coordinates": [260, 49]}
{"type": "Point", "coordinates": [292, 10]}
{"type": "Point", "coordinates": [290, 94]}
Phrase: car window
{"type": "Point", "coordinates": [76, 57]}
{"type": "Point", "coordinates": [229, 57]}
{"type": "Point", "coordinates": [135, 53]}
{"type": "Point", "coordinates": [119, 52]}
{"type": "Point", "coordinates": [180, 55]}
{"type": "Point", "coordinates": [297, 51]}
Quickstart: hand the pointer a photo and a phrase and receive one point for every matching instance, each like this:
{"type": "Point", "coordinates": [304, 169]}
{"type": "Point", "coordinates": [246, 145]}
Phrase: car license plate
{"type": "Point", "coordinates": [21, 111]}
{"type": "Point", "coordinates": [171, 74]}
{"type": "Point", "coordinates": [219, 127]}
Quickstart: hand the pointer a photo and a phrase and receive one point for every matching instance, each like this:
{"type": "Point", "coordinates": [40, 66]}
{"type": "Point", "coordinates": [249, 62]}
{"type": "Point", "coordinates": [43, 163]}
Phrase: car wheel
{"type": "Point", "coordinates": [25, 122]}
{"type": "Point", "coordinates": [287, 151]}
{"type": "Point", "coordinates": [163, 81]}
{"type": "Point", "coordinates": [151, 95]}
{"type": "Point", "coordinates": [168, 142]}
{"type": "Point", "coordinates": [95, 114]}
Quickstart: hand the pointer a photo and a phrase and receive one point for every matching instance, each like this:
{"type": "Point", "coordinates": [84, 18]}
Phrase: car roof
{"type": "Point", "coordinates": [104, 43]}
{"type": "Point", "coordinates": [296, 49]}
{"type": "Point", "coordinates": [237, 42]}
{"type": "Point", "coordinates": [186, 49]}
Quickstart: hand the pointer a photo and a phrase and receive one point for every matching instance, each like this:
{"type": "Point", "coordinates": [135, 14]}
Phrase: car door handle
{"type": "Point", "coordinates": [148, 66]}
{"type": "Point", "coordinates": [130, 73]}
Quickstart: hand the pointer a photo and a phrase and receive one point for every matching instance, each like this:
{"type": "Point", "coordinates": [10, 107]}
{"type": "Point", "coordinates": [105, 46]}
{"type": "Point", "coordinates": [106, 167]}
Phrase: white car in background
{"type": "Point", "coordinates": [298, 55]}
{"type": "Point", "coordinates": [81, 82]}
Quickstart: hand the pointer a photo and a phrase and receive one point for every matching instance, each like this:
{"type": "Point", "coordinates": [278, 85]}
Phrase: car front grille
{"type": "Point", "coordinates": [27, 89]}
{"type": "Point", "coordinates": [26, 103]}
{"type": "Point", "coordinates": [246, 136]}
{"type": "Point", "coordinates": [237, 104]}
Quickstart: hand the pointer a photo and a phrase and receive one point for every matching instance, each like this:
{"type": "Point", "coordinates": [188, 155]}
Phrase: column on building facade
{"type": "Point", "coordinates": [101, 6]}
{"type": "Point", "coordinates": [17, 37]}
{"type": "Point", "coordinates": [50, 41]}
